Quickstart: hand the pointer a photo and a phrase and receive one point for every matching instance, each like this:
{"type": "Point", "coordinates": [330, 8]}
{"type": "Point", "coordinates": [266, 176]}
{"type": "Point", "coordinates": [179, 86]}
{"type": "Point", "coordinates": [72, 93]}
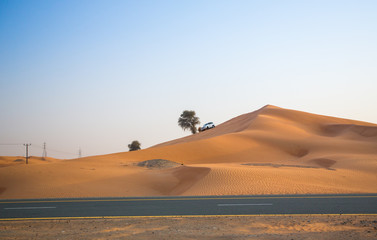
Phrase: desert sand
{"type": "Point", "coordinates": [268, 151]}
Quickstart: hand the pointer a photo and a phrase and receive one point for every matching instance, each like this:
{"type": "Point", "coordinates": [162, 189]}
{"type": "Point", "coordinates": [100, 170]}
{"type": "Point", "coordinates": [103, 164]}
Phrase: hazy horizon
{"type": "Point", "coordinates": [97, 75]}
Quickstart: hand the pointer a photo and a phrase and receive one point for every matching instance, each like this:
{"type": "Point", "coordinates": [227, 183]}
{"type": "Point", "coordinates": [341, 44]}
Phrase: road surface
{"type": "Point", "coordinates": [187, 206]}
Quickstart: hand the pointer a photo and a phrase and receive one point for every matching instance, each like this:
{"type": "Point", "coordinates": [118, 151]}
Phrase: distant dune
{"type": "Point", "coordinates": [6, 161]}
{"type": "Point", "coordinates": [268, 151]}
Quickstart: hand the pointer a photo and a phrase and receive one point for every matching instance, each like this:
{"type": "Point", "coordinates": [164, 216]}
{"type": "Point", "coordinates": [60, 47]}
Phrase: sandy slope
{"type": "Point", "coordinates": [268, 151]}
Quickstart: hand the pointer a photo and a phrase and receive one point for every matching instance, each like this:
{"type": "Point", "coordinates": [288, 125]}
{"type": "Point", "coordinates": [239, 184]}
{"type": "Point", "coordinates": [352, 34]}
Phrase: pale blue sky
{"type": "Point", "coordinates": [99, 74]}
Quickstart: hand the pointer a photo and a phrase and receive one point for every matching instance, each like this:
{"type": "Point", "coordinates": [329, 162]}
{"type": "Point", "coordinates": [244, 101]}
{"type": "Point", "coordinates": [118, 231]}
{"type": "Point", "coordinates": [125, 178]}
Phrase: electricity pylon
{"type": "Point", "coordinates": [44, 154]}
{"type": "Point", "coordinates": [27, 152]}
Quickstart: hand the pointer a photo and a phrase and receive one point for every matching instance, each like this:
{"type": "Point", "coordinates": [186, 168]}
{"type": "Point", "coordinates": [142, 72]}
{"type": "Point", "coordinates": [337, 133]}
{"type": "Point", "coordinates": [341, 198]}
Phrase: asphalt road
{"type": "Point", "coordinates": [188, 206]}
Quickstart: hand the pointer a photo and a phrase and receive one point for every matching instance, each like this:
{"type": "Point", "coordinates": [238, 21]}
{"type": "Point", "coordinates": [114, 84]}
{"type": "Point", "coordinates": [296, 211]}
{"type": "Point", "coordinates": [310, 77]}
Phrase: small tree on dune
{"type": "Point", "coordinates": [188, 120]}
{"type": "Point", "coordinates": [135, 145]}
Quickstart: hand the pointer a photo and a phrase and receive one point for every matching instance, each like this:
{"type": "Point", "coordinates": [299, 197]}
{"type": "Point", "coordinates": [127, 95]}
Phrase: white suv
{"type": "Point", "coordinates": [207, 126]}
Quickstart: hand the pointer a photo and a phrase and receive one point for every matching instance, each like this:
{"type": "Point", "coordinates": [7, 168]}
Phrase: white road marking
{"type": "Point", "coordinates": [17, 208]}
{"type": "Point", "coordinates": [243, 204]}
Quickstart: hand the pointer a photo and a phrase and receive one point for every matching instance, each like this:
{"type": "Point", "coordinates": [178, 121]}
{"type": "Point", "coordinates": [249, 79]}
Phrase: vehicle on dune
{"type": "Point", "coordinates": [207, 126]}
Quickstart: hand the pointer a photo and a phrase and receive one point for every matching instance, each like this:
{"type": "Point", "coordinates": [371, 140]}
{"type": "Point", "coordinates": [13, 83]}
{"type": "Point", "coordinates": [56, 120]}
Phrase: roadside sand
{"type": "Point", "coordinates": [258, 227]}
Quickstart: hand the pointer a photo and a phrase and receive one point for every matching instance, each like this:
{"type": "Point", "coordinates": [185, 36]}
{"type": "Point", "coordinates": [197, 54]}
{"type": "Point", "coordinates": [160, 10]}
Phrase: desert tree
{"type": "Point", "coordinates": [135, 145]}
{"type": "Point", "coordinates": [188, 120]}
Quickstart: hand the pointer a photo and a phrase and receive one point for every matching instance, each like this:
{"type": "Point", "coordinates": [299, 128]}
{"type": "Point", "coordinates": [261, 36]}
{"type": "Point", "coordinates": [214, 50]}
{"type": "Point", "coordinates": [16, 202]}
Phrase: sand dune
{"type": "Point", "coordinates": [268, 151]}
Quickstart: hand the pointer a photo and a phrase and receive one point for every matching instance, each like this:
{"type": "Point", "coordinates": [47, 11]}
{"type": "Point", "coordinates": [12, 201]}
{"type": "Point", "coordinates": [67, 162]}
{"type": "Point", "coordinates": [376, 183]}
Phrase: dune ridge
{"type": "Point", "coordinates": [269, 151]}
{"type": "Point", "coordinates": [262, 119]}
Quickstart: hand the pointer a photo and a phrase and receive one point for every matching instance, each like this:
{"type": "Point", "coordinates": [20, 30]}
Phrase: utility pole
{"type": "Point", "coordinates": [44, 154]}
{"type": "Point", "coordinates": [27, 152]}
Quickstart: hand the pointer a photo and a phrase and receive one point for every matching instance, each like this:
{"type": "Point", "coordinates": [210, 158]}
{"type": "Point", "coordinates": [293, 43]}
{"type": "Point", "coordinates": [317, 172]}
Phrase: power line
{"type": "Point", "coordinates": [44, 148]}
{"type": "Point", "coordinates": [53, 150]}
{"type": "Point", "coordinates": [11, 143]}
